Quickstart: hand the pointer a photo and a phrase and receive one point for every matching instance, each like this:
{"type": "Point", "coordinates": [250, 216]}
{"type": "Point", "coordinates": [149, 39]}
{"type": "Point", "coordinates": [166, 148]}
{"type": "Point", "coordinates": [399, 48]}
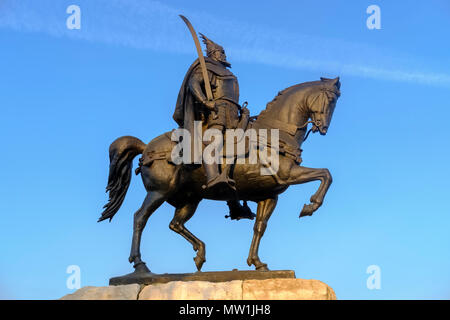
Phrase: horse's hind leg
{"type": "Point", "coordinates": [182, 215]}
{"type": "Point", "coordinates": [263, 213]}
{"type": "Point", "coordinates": [152, 202]}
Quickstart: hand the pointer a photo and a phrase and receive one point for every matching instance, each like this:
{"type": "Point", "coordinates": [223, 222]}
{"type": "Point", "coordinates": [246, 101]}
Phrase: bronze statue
{"type": "Point", "coordinates": [218, 108]}
{"type": "Point", "coordinates": [185, 185]}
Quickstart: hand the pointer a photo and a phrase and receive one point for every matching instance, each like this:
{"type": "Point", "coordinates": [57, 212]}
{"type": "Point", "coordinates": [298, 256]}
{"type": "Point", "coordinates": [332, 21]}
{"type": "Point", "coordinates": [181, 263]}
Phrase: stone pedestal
{"type": "Point", "coordinates": [127, 292]}
{"type": "Point", "coordinates": [268, 289]}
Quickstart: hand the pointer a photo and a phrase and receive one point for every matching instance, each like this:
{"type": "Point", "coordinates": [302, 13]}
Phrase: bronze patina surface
{"type": "Point", "coordinates": [210, 94]}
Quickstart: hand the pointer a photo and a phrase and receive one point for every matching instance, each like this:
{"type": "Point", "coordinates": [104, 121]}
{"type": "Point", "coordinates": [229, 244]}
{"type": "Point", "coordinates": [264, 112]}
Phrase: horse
{"type": "Point", "coordinates": [290, 111]}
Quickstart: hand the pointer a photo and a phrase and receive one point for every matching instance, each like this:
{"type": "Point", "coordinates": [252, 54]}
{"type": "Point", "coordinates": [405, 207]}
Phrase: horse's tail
{"type": "Point", "coordinates": [121, 154]}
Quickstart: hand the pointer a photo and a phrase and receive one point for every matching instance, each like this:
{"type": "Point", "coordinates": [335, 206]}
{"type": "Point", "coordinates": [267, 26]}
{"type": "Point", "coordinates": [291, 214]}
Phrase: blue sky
{"type": "Point", "coordinates": [65, 95]}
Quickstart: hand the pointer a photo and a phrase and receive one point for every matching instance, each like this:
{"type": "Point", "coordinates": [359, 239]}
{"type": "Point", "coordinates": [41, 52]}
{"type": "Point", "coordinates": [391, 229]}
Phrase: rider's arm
{"type": "Point", "coordinates": [195, 86]}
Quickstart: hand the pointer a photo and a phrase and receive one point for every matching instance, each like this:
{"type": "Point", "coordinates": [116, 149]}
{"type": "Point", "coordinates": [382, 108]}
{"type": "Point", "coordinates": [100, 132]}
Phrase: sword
{"type": "Point", "coordinates": [201, 59]}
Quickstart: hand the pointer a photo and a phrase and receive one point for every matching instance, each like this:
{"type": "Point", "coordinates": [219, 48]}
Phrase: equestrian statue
{"type": "Point", "coordinates": [209, 96]}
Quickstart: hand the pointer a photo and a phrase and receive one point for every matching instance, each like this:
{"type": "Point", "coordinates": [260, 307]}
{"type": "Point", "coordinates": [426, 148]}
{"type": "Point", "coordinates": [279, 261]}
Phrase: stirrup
{"type": "Point", "coordinates": [217, 180]}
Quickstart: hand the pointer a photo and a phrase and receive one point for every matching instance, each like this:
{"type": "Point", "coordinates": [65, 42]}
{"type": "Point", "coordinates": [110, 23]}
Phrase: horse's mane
{"type": "Point", "coordinates": [324, 82]}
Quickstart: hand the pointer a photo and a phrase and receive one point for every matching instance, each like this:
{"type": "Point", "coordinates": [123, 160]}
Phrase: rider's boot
{"type": "Point", "coordinates": [238, 211]}
{"type": "Point", "coordinates": [215, 180]}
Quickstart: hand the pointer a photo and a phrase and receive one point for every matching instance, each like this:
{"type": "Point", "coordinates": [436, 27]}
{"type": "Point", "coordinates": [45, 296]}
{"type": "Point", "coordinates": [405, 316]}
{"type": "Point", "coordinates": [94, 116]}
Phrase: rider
{"type": "Point", "coordinates": [221, 113]}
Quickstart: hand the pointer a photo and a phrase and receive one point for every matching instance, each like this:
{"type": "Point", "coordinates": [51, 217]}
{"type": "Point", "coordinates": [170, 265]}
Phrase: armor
{"type": "Point", "coordinates": [225, 90]}
{"type": "Point", "coordinates": [226, 87]}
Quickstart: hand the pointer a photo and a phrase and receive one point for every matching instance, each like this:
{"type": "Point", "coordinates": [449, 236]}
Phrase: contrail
{"type": "Point", "coordinates": [156, 26]}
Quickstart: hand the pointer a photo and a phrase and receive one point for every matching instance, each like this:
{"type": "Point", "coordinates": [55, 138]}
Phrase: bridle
{"type": "Point", "coordinates": [316, 124]}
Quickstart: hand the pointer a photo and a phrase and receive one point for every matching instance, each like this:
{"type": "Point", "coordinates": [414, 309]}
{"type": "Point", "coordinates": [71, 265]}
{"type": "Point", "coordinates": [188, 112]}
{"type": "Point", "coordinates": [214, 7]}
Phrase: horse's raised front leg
{"type": "Point", "coordinates": [299, 175]}
{"type": "Point", "coordinates": [263, 213]}
{"type": "Point", "coordinates": [182, 215]}
{"type": "Point", "coordinates": [152, 202]}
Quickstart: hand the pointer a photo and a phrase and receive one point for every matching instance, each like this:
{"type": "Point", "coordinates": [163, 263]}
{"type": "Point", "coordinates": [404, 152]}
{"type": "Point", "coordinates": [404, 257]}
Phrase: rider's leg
{"type": "Point", "coordinates": [213, 176]}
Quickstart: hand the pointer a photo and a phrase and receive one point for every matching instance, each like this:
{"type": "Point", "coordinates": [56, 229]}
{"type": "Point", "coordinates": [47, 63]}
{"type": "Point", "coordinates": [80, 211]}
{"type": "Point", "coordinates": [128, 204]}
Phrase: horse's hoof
{"type": "Point", "coordinates": [262, 267]}
{"type": "Point", "coordinates": [199, 261]}
{"type": "Point", "coordinates": [307, 210]}
{"type": "Point", "coordinates": [141, 268]}
{"type": "Point", "coordinates": [259, 266]}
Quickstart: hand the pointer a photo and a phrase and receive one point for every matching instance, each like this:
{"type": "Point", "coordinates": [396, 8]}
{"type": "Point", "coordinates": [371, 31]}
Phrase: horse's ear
{"type": "Point", "coordinates": [336, 83]}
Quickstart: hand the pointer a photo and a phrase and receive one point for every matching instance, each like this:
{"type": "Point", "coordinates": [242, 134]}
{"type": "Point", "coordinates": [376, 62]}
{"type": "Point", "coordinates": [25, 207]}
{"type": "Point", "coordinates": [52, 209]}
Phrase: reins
{"type": "Point", "coordinates": [315, 123]}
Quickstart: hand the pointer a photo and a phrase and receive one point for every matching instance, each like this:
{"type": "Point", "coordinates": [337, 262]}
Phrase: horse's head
{"type": "Point", "coordinates": [322, 104]}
